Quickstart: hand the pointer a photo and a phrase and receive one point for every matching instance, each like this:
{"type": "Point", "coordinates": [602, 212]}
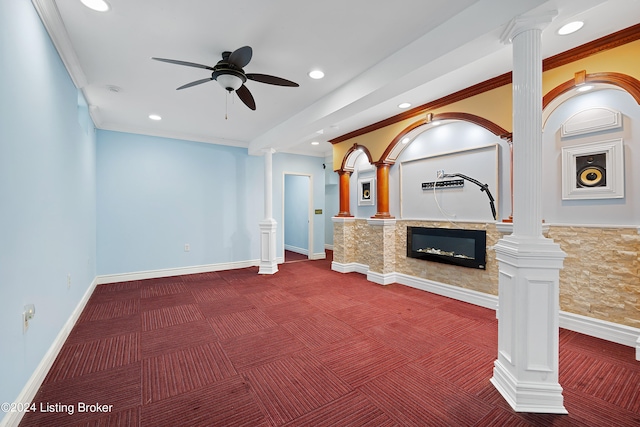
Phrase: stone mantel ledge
{"type": "Point", "coordinates": [343, 219]}
{"type": "Point", "coordinates": [507, 227]}
{"type": "Point", "coordinates": [381, 221]}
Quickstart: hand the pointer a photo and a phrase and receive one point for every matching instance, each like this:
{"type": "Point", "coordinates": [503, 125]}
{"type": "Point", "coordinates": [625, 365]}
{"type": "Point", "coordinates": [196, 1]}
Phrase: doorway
{"type": "Point", "coordinates": [298, 239]}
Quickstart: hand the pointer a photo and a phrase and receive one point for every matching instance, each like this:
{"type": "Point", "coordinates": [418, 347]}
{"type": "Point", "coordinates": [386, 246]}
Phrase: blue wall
{"type": "Point", "coordinates": [156, 194]}
{"type": "Point", "coordinates": [47, 194]}
{"type": "Point", "coordinates": [80, 203]}
{"type": "Point", "coordinates": [296, 213]}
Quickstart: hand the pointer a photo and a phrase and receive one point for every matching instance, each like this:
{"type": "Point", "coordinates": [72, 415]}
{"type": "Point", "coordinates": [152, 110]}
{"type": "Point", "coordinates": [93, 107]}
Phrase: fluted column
{"type": "Point", "coordinates": [268, 226]}
{"type": "Point", "coordinates": [345, 208]}
{"type": "Point", "coordinates": [526, 370]}
{"type": "Point", "coordinates": [382, 191]}
{"type": "Point", "coordinates": [527, 131]}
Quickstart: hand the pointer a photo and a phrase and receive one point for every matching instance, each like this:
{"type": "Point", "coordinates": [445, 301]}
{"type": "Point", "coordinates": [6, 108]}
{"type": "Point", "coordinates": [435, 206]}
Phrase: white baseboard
{"type": "Point", "coordinates": [614, 332]}
{"type": "Point", "coordinates": [318, 255]}
{"type": "Point", "coordinates": [179, 271]}
{"type": "Point", "coordinates": [609, 331]}
{"type": "Point", "coordinates": [328, 247]}
{"type": "Point", "coordinates": [381, 279]}
{"type": "Point", "coordinates": [296, 249]}
{"type": "Point", "coordinates": [353, 267]}
{"type": "Point", "coordinates": [450, 291]}
{"type": "Point", "coordinates": [30, 389]}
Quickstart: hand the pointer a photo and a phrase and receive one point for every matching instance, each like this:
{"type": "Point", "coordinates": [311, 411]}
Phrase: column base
{"type": "Point", "coordinates": [528, 396]}
{"type": "Point", "coordinates": [526, 371]}
{"type": "Point", "coordinates": [268, 263]}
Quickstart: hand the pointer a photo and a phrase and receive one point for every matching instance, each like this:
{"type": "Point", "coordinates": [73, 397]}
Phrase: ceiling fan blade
{"type": "Point", "coordinates": [246, 97]}
{"type": "Point", "coordinates": [197, 82]}
{"type": "Point", "coordinates": [241, 57]}
{"type": "Point", "coordinates": [272, 80]}
{"type": "Point", "coordinates": [188, 64]}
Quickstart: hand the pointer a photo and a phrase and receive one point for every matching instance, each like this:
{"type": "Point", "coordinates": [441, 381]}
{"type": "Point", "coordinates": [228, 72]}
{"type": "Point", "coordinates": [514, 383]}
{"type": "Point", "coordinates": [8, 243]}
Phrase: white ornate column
{"type": "Point", "coordinates": [268, 225]}
{"type": "Point", "coordinates": [526, 371]}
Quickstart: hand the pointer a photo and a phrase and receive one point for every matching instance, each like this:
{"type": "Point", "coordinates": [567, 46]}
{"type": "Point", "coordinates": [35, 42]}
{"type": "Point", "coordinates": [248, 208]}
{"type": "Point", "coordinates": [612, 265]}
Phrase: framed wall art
{"type": "Point", "coordinates": [593, 171]}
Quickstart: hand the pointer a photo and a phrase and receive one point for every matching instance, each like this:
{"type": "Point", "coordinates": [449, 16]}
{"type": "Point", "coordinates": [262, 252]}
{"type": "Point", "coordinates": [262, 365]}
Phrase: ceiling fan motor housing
{"type": "Point", "coordinates": [227, 77]}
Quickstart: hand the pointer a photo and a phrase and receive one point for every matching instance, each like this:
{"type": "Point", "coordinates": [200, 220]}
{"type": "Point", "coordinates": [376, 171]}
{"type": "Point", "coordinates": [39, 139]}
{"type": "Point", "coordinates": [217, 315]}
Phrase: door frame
{"type": "Point", "coordinates": [310, 253]}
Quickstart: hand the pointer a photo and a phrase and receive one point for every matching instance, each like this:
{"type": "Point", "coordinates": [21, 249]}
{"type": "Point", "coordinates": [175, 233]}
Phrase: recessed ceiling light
{"type": "Point", "coordinates": [316, 74]}
{"type": "Point", "coordinates": [571, 27]}
{"type": "Point", "coordinates": [97, 5]}
{"type": "Point", "coordinates": [155, 117]}
{"type": "Point", "coordinates": [584, 88]}
{"type": "Point", "coordinates": [315, 143]}
{"type": "Point", "coordinates": [404, 105]}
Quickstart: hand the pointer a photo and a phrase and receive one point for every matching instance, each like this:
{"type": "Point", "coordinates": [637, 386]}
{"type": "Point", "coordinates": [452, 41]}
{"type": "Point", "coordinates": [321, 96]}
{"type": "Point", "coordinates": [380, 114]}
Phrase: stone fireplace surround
{"type": "Point", "coordinates": [599, 284]}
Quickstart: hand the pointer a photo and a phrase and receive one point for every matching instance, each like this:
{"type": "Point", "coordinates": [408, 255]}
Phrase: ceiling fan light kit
{"type": "Point", "coordinates": [230, 75]}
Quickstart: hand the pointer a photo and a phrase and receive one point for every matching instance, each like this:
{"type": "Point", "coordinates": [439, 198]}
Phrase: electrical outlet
{"type": "Point", "coordinates": [27, 314]}
{"type": "Point", "coordinates": [187, 247]}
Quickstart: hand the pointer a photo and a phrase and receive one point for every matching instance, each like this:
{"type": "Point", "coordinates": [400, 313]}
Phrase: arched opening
{"type": "Point", "coordinates": [582, 80]}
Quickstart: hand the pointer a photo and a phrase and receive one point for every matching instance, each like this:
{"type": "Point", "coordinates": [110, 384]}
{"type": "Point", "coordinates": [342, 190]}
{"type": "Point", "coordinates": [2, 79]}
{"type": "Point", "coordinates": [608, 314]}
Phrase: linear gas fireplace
{"type": "Point", "coordinates": [466, 248]}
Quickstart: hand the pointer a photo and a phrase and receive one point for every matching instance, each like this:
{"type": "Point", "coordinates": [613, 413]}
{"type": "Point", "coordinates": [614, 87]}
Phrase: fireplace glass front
{"type": "Point", "coordinates": [466, 248]}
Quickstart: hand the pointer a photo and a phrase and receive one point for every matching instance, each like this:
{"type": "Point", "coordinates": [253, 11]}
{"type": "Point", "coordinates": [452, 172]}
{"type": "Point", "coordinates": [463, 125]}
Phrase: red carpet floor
{"type": "Point", "coordinates": [290, 256]}
{"type": "Point", "coordinates": [307, 347]}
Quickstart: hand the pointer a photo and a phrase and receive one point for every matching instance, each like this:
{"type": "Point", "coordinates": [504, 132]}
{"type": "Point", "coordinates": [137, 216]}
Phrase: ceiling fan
{"type": "Point", "coordinates": [229, 73]}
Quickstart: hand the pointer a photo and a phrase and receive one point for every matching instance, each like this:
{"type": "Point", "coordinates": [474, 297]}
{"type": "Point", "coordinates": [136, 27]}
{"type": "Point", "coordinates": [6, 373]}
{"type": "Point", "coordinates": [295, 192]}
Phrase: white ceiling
{"type": "Point", "coordinates": [375, 54]}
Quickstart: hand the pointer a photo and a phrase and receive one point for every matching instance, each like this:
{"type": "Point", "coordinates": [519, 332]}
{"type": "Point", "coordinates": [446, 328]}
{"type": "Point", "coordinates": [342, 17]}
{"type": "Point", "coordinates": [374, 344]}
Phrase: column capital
{"type": "Point", "coordinates": [268, 150]}
{"type": "Point", "coordinates": [383, 163]}
{"type": "Point", "coordinates": [522, 23]}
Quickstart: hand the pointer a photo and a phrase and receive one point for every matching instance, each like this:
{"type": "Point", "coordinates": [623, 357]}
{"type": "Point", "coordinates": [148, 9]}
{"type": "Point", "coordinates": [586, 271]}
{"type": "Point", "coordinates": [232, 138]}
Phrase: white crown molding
{"type": "Point", "coordinates": [50, 16]}
{"type": "Point", "coordinates": [163, 134]}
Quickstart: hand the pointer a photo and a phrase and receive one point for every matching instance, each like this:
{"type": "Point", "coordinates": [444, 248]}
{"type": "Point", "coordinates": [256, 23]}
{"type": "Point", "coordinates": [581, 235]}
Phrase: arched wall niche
{"type": "Point", "coordinates": [351, 156]}
{"type": "Point", "coordinates": [393, 151]}
{"type": "Point", "coordinates": [605, 80]}
{"type": "Point", "coordinates": [591, 210]}
{"type": "Point", "coordinates": [395, 147]}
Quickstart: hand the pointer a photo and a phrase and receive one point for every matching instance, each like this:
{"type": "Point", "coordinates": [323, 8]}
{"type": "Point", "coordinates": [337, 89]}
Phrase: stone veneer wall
{"type": "Point", "coordinates": [600, 277]}
{"type": "Point", "coordinates": [469, 278]}
{"type": "Point", "coordinates": [344, 242]}
{"type": "Point", "coordinates": [601, 273]}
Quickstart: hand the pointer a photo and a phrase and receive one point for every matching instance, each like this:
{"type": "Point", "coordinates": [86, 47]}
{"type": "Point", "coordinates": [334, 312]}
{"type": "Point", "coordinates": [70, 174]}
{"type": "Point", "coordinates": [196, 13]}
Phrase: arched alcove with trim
{"type": "Point", "coordinates": [408, 134]}
{"type": "Point", "coordinates": [596, 81]}
{"type": "Point", "coordinates": [582, 131]}
{"type": "Point", "coordinates": [351, 156]}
